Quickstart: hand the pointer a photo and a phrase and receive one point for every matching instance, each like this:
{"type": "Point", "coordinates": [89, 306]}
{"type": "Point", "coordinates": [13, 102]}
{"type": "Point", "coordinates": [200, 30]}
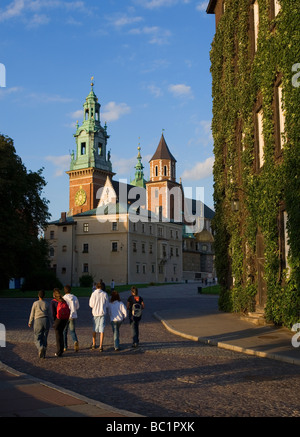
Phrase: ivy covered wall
{"type": "Point", "coordinates": [244, 80]}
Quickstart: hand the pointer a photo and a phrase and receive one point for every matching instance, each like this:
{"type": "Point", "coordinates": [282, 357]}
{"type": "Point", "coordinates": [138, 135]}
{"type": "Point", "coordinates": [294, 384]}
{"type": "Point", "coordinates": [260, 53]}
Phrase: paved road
{"type": "Point", "coordinates": [168, 376]}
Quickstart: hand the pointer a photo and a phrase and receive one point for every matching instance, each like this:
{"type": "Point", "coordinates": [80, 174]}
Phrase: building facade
{"type": "Point", "coordinates": [257, 148]}
{"type": "Point", "coordinates": [132, 233]}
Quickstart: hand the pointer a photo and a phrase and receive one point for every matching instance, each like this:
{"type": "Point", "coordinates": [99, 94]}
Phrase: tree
{"type": "Point", "coordinates": [23, 217]}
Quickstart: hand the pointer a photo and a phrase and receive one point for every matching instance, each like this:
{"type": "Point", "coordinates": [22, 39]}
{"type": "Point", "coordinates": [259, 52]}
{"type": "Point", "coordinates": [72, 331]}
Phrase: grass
{"type": "Point", "coordinates": [78, 291]}
{"type": "Point", "coordinates": [213, 289]}
{"type": "Point", "coordinates": [86, 292]}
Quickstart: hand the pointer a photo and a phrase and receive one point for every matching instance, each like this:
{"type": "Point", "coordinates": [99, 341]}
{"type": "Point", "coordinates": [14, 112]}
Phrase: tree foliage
{"type": "Point", "coordinates": [24, 213]}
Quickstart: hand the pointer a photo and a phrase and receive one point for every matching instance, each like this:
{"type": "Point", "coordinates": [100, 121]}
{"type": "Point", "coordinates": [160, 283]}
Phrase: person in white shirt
{"type": "Point", "coordinates": [99, 304]}
{"type": "Point", "coordinates": [117, 312]}
{"type": "Point", "coordinates": [73, 304]}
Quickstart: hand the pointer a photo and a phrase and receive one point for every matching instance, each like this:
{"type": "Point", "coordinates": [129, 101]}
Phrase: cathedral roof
{"type": "Point", "coordinates": [162, 151]}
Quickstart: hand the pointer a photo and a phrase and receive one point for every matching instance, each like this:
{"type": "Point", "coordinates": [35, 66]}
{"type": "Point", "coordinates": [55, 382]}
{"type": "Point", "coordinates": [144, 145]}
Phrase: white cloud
{"type": "Point", "coordinates": [38, 20]}
{"type": "Point", "coordinates": [200, 170]}
{"type": "Point", "coordinates": [7, 91]}
{"type": "Point", "coordinates": [154, 4]}
{"type": "Point", "coordinates": [124, 20]}
{"type": "Point", "coordinates": [202, 6]}
{"type": "Point", "coordinates": [48, 98]}
{"type": "Point", "coordinates": [14, 9]}
{"type": "Point", "coordinates": [113, 111]}
{"type": "Point", "coordinates": [125, 167]}
{"type": "Point", "coordinates": [157, 35]}
{"type": "Point", "coordinates": [76, 115]}
{"type": "Point", "coordinates": [18, 8]}
{"type": "Point", "coordinates": [155, 90]}
{"type": "Point", "coordinates": [181, 90]}
{"type": "Point", "coordinates": [60, 162]}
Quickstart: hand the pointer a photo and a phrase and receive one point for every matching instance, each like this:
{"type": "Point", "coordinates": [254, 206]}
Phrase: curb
{"type": "Point", "coordinates": [285, 359]}
{"type": "Point", "coordinates": [82, 398]}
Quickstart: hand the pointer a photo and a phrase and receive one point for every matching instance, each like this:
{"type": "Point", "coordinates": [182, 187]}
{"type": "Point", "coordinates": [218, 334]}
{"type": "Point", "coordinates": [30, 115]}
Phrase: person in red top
{"type": "Point", "coordinates": [135, 306]}
{"type": "Point", "coordinates": [59, 323]}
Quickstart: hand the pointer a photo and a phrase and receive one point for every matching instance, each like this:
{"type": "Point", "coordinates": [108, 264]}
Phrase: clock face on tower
{"type": "Point", "coordinates": [80, 197]}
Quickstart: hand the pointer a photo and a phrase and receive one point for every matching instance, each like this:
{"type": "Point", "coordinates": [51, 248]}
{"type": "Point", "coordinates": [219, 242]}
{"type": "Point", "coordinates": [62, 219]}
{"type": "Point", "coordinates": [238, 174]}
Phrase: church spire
{"type": "Point", "coordinates": [91, 137]}
{"type": "Point", "coordinates": [139, 180]}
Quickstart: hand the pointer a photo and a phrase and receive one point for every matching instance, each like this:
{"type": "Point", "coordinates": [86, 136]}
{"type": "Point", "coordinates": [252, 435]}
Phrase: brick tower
{"type": "Point", "coordinates": [91, 164]}
{"type": "Point", "coordinates": [164, 194]}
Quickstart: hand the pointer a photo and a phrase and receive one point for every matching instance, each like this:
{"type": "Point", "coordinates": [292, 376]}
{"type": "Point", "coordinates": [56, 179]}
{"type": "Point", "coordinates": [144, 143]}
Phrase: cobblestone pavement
{"type": "Point", "coordinates": [167, 376]}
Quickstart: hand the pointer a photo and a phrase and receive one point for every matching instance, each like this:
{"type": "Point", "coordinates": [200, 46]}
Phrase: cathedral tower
{"type": "Point", "coordinates": [91, 164]}
{"type": "Point", "coordinates": [164, 194]}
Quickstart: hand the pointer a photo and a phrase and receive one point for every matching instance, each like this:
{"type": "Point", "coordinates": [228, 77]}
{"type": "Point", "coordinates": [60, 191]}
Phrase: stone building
{"type": "Point", "coordinates": [132, 233]}
{"type": "Point", "coordinates": [256, 125]}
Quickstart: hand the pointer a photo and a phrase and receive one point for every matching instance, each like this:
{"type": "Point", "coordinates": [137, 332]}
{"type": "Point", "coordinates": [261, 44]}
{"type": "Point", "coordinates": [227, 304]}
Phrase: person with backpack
{"type": "Point", "coordinates": [61, 315]}
{"type": "Point", "coordinates": [40, 315]}
{"type": "Point", "coordinates": [73, 304]}
{"type": "Point", "coordinates": [135, 306]}
{"type": "Point", "coordinates": [117, 312]}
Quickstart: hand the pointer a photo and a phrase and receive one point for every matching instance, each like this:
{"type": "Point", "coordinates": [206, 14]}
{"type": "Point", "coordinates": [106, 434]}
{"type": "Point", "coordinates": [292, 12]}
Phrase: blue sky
{"type": "Point", "coordinates": [151, 68]}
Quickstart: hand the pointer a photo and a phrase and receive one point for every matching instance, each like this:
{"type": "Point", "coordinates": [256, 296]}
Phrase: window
{"type": "Point", "coordinates": [286, 246]}
{"type": "Point", "coordinates": [156, 170]}
{"type": "Point", "coordinates": [85, 248]}
{"type": "Point", "coordinates": [64, 270]}
{"type": "Point", "coordinates": [100, 152]}
{"type": "Point", "coordinates": [134, 246]}
{"type": "Point", "coordinates": [153, 268]}
{"type": "Point", "coordinates": [143, 247]}
{"type": "Point", "coordinates": [64, 248]}
{"type": "Point", "coordinates": [177, 251]}
{"type": "Point", "coordinates": [165, 170]}
{"type": "Point", "coordinates": [85, 227]}
{"type": "Point", "coordinates": [279, 118]}
{"type": "Point", "coordinates": [161, 270]}
{"type": "Point", "coordinates": [114, 226]}
{"type": "Point", "coordinates": [150, 248]}
{"type": "Point", "coordinates": [51, 251]}
{"type": "Point", "coordinates": [260, 138]}
{"type": "Point", "coordinates": [164, 251]}
{"type": "Point", "coordinates": [144, 269]}
{"type": "Point", "coordinates": [137, 268]}
{"type": "Point", "coordinates": [256, 22]}
{"type": "Point", "coordinates": [85, 268]}
{"type": "Point", "coordinates": [277, 7]}
{"type": "Point", "coordinates": [114, 246]}
{"type": "Point", "coordinates": [64, 229]}
{"type": "Point", "coordinates": [51, 235]}
{"type": "Point", "coordinates": [83, 148]}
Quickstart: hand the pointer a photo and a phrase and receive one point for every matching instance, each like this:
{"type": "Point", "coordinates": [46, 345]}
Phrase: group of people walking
{"type": "Point", "coordinates": [62, 312]}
